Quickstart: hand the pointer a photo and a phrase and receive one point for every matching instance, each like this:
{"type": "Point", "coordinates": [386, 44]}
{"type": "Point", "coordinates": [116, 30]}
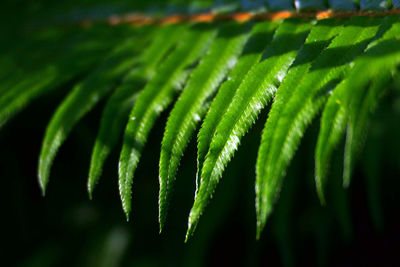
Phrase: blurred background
{"type": "Point", "coordinates": [359, 226]}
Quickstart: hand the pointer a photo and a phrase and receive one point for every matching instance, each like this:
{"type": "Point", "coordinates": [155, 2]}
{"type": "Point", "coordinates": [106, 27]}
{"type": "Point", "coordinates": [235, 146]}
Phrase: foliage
{"type": "Point", "coordinates": [221, 75]}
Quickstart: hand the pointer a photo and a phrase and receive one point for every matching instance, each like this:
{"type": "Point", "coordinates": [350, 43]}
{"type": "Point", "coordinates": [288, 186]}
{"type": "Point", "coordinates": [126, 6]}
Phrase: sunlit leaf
{"type": "Point", "coordinates": [155, 97]}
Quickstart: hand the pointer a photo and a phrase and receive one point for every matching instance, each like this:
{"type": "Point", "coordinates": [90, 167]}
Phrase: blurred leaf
{"type": "Point", "coordinates": [82, 98]}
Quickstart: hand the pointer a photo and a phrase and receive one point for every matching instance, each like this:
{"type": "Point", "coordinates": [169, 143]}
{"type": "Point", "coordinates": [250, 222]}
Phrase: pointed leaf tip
{"type": "Point", "coordinates": [189, 234]}
{"type": "Point", "coordinates": [42, 189]}
{"type": "Point", "coordinates": [161, 219]}
{"type": "Point", "coordinates": [90, 193]}
{"type": "Point", "coordinates": [191, 228]}
{"type": "Point", "coordinates": [321, 197]}
{"type": "Point", "coordinates": [42, 178]}
{"type": "Point", "coordinates": [258, 233]}
{"type": "Point", "coordinates": [127, 215]}
{"type": "Point", "coordinates": [260, 226]}
{"type": "Point", "coordinates": [90, 188]}
{"type": "Point", "coordinates": [186, 239]}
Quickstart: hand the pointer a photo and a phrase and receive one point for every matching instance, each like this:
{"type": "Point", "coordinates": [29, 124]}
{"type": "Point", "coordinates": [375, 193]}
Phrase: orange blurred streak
{"type": "Point", "coordinates": [324, 14]}
{"type": "Point", "coordinates": [172, 19]}
{"type": "Point", "coordinates": [241, 17]}
{"type": "Point", "coordinates": [138, 19]}
{"type": "Point", "coordinates": [203, 17]}
{"type": "Point", "coordinates": [280, 15]}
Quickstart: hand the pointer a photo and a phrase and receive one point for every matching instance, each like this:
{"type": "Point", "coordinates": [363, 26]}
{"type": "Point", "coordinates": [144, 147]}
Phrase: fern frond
{"type": "Point", "coordinates": [155, 97]}
{"type": "Point", "coordinates": [119, 105]}
{"type": "Point", "coordinates": [212, 59]}
{"type": "Point", "coordinates": [251, 97]}
{"type": "Point", "coordinates": [280, 140]}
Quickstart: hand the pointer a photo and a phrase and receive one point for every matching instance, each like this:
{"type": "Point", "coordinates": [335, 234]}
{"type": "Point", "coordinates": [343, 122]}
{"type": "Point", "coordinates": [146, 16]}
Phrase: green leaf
{"type": "Point", "coordinates": [333, 125]}
{"type": "Point", "coordinates": [156, 97]}
{"type": "Point", "coordinates": [82, 98]}
{"type": "Point", "coordinates": [251, 97]}
{"type": "Point", "coordinates": [297, 109]}
{"type": "Point", "coordinates": [116, 111]}
{"type": "Point", "coordinates": [192, 104]}
{"type": "Point", "coordinates": [261, 35]}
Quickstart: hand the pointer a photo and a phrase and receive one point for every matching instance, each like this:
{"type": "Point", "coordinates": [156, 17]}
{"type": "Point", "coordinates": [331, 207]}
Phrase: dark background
{"type": "Point", "coordinates": [359, 226]}
{"type": "Point", "coordinates": [66, 229]}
